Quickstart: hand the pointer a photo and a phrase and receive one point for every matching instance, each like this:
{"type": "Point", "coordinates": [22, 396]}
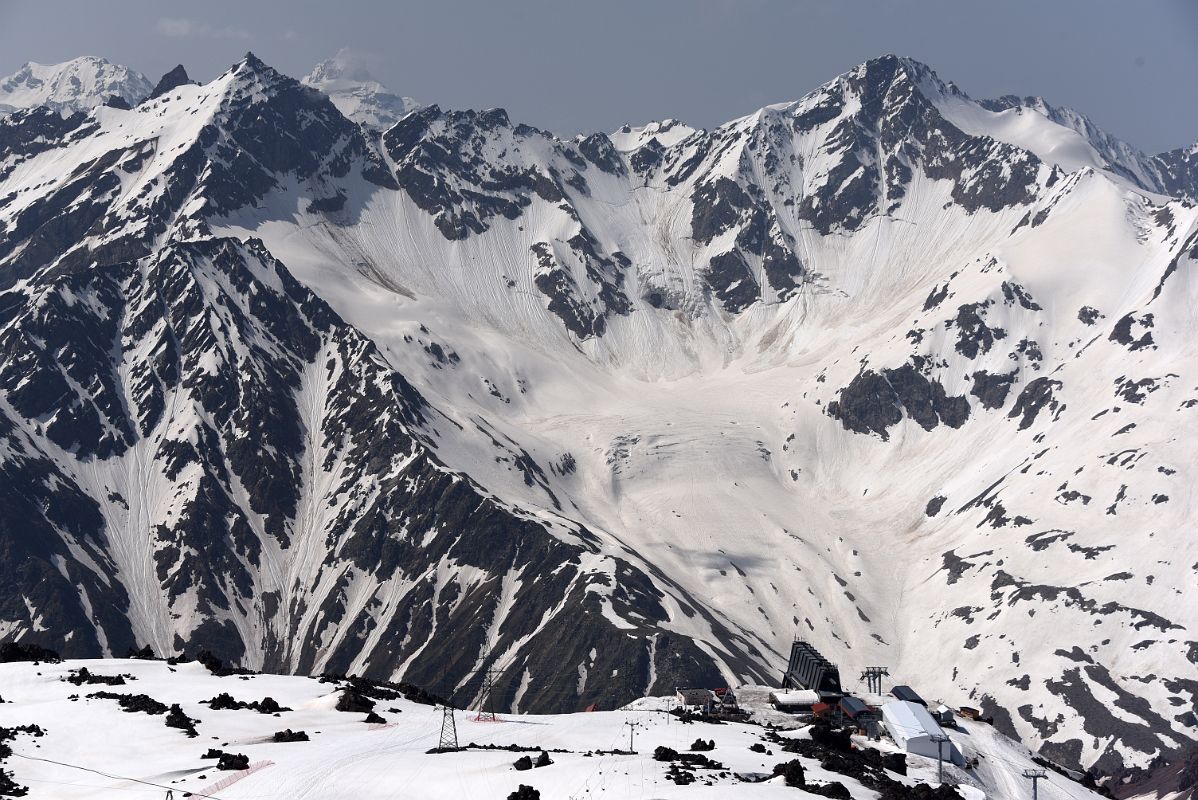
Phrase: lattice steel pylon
{"type": "Point", "coordinates": [449, 729]}
{"type": "Point", "coordinates": [486, 706]}
{"type": "Point", "coordinates": [873, 678]}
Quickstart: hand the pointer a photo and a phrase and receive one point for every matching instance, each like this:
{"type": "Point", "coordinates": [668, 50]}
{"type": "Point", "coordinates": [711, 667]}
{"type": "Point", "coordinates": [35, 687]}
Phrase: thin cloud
{"type": "Point", "coordinates": [183, 28]}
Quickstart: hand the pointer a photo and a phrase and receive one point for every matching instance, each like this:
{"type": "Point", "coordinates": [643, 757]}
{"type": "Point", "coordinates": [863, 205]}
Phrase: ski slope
{"type": "Point", "coordinates": [347, 758]}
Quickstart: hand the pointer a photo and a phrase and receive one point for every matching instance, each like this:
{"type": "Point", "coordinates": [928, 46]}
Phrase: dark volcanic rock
{"type": "Point", "coordinates": [175, 718]}
{"type": "Point", "coordinates": [234, 762]}
{"type": "Point", "coordinates": [225, 702]}
{"type": "Point", "coordinates": [83, 675]}
{"type": "Point", "coordinates": [876, 401]}
{"type": "Point", "coordinates": [133, 703]}
{"type": "Point", "coordinates": [934, 506]}
{"type": "Point", "coordinates": [792, 772]}
{"type": "Point", "coordinates": [991, 390]}
{"type": "Point", "coordinates": [19, 651]}
{"type": "Point", "coordinates": [172, 80]}
{"type": "Point", "coordinates": [1037, 395]}
{"type": "Point", "coordinates": [354, 702]}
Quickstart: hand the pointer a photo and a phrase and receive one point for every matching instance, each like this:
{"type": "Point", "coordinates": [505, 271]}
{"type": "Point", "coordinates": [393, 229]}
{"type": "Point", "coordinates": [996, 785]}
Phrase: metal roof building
{"type": "Point", "coordinates": [794, 699]}
{"type": "Point", "coordinates": [908, 694]}
{"type": "Point", "coordinates": [807, 669]}
{"type": "Point", "coordinates": [696, 698]}
{"type": "Point", "coordinates": [853, 707]}
{"type": "Point", "coordinates": [913, 729]}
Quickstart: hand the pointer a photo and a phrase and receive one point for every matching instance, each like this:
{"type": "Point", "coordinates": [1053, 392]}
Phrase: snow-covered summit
{"type": "Point", "coordinates": [668, 133]}
{"type": "Point", "coordinates": [75, 85]}
{"type": "Point", "coordinates": [356, 93]}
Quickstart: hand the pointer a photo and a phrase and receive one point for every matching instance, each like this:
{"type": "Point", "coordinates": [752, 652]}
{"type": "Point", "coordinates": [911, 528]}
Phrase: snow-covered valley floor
{"type": "Point", "coordinates": [93, 749]}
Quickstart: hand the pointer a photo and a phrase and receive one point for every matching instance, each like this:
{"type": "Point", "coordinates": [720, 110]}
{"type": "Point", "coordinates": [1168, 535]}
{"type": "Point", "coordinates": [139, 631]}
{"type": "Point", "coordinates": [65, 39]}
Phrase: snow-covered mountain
{"type": "Point", "coordinates": [1172, 173]}
{"type": "Point", "coordinates": [357, 94]}
{"type": "Point", "coordinates": [905, 374]}
{"type": "Point", "coordinates": [76, 85]}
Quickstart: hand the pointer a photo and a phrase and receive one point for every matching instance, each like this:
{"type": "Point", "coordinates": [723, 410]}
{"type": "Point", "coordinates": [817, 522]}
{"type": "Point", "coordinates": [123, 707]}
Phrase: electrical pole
{"type": "Point", "coordinates": [632, 726]}
{"type": "Point", "coordinates": [940, 739]}
{"type": "Point", "coordinates": [486, 706]}
{"type": "Point", "coordinates": [1035, 775]}
{"type": "Point", "coordinates": [449, 729]}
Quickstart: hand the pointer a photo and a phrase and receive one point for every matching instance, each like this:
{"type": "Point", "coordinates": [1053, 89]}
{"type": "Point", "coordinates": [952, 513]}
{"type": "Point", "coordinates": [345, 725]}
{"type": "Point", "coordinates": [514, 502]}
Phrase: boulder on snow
{"type": "Point", "coordinates": [791, 771]}
{"type": "Point", "coordinates": [233, 762]}
{"type": "Point", "coordinates": [352, 700]}
{"type": "Point", "coordinates": [175, 718]}
{"type": "Point", "coordinates": [525, 793]}
{"type": "Point", "coordinates": [834, 789]}
{"type": "Point", "coordinates": [226, 702]}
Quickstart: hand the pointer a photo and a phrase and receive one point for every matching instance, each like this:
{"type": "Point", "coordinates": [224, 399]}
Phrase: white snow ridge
{"type": "Point", "coordinates": [75, 85]}
{"type": "Point", "coordinates": [320, 380]}
{"type": "Point", "coordinates": [356, 93]}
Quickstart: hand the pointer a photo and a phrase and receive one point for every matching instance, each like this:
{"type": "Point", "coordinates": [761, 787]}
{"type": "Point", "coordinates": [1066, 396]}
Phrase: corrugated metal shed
{"type": "Point", "coordinates": [907, 694]}
{"type": "Point", "coordinates": [852, 706]}
{"type": "Point", "coordinates": [801, 699]}
{"type": "Point", "coordinates": [914, 730]}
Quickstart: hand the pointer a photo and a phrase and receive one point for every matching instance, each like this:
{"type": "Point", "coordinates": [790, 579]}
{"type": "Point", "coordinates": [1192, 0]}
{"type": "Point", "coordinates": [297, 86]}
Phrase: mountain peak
{"type": "Point", "coordinates": [885, 71]}
{"type": "Point", "coordinates": [76, 85]}
{"type": "Point", "coordinates": [171, 80]}
{"type": "Point", "coordinates": [356, 93]}
{"type": "Point", "coordinates": [251, 64]}
{"type": "Point", "coordinates": [345, 65]}
{"type": "Point", "coordinates": [252, 61]}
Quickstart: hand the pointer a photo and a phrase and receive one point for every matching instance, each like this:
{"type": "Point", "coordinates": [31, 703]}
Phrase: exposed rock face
{"type": "Point", "coordinates": [610, 414]}
{"type": "Point", "coordinates": [171, 80]}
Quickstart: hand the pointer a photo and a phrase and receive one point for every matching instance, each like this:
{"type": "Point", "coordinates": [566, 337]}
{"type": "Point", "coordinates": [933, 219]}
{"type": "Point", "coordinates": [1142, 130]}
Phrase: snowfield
{"type": "Point", "coordinates": [348, 758]}
{"type": "Point", "coordinates": [339, 383]}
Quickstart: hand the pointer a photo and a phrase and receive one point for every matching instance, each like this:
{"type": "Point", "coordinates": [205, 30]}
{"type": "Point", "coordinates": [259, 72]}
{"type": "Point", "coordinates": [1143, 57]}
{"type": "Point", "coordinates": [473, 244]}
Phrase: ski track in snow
{"type": "Point", "coordinates": [346, 758]}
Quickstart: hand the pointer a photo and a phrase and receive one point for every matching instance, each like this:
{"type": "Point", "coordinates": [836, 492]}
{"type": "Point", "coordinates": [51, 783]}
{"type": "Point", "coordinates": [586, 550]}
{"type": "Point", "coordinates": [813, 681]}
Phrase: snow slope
{"type": "Point", "coordinates": [898, 372]}
{"type": "Point", "coordinates": [346, 757]}
{"type": "Point", "coordinates": [76, 85]}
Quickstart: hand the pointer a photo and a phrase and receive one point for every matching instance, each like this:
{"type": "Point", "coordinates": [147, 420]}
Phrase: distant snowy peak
{"type": "Point", "coordinates": [75, 85]}
{"type": "Point", "coordinates": [357, 94]}
{"type": "Point", "coordinates": [667, 133]}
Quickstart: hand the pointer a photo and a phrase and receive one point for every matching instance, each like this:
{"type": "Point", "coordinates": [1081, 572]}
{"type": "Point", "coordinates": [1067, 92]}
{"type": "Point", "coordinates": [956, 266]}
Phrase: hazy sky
{"type": "Point", "coordinates": [569, 65]}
